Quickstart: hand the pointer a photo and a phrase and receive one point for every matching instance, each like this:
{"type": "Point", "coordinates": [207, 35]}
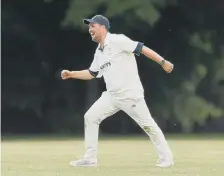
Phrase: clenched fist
{"type": "Point", "coordinates": [167, 66]}
{"type": "Point", "coordinates": [66, 74]}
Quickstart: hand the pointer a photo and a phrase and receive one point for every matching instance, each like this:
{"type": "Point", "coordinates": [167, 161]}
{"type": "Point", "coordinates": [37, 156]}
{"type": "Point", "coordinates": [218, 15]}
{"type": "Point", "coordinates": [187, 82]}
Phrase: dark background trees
{"type": "Point", "coordinates": [40, 38]}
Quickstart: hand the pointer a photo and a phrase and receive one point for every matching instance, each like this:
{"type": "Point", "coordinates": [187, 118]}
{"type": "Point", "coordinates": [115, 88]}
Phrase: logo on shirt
{"type": "Point", "coordinates": [106, 65]}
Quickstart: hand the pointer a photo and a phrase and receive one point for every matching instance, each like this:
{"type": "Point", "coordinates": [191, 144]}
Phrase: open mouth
{"type": "Point", "coordinates": [92, 34]}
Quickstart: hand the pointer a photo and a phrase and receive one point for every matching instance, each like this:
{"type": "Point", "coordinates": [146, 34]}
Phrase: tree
{"type": "Point", "coordinates": [189, 105]}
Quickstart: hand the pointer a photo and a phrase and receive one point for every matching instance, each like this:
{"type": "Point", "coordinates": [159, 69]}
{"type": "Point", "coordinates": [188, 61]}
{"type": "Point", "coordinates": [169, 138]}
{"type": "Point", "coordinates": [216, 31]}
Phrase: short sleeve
{"type": "Point", "coordinates": [129, 45]}
{"type": "Point", "coordinates": [94, 69]}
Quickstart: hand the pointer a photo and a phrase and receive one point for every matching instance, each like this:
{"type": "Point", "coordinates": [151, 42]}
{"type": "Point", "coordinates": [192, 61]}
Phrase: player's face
{"type": "Point", "coordinates": [95, 31]}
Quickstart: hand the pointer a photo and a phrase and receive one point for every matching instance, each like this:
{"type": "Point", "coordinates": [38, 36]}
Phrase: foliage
{"type": "Point", "coordinates": [37, 45]}
{"type": "Point", "coordinates": [143, 9]}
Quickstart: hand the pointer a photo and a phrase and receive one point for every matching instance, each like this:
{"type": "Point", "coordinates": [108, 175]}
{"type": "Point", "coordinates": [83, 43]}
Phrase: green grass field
{"type": "Point", "coordinates": [126, 156]}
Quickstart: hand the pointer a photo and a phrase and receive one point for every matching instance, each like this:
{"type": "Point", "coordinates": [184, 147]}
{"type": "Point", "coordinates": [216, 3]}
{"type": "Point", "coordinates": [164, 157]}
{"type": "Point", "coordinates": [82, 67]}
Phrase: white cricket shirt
{"type": "Point", "coordinates": [117, 64]}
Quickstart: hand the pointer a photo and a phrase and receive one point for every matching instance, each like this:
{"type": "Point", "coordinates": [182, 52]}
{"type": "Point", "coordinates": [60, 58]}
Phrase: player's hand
{"type": "Point", "coordinates": [66, 74]}
{"type": "Point", "coordinates": [167, 66]}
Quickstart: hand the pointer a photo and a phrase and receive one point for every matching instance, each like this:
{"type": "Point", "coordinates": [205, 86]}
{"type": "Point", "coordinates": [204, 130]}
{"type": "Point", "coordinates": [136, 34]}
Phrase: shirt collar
{"type": "Point", "coordinates": [106, 41]}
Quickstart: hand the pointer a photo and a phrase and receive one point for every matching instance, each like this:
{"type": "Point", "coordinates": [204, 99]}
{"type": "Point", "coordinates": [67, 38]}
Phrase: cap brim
{"type": "Point", "coordinates": [87, 21]}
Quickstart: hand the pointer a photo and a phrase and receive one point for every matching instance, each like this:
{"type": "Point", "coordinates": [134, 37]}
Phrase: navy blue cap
{"type": "Point", "coordinates": [99, 19]}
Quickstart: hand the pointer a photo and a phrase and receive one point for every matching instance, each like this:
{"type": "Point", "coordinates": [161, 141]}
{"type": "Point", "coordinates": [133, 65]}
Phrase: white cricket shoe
{"type": "Point", "coordinates": [165, 163]}
{"type": "Point", "coordinates": [84, 162]}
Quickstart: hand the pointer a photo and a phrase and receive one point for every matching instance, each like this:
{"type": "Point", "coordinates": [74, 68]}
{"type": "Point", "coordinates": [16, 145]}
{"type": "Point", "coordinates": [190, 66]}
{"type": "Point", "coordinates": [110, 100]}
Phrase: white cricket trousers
{"type": "Point", "coordinates": [106, 106]}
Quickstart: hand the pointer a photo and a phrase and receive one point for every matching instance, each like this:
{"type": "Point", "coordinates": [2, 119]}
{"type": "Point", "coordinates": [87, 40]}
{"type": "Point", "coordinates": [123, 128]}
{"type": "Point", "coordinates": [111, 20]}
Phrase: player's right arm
{"type": "Point", "coordinates": [82, 74]}
{"type": "Point", "coordinates": [88, 74]}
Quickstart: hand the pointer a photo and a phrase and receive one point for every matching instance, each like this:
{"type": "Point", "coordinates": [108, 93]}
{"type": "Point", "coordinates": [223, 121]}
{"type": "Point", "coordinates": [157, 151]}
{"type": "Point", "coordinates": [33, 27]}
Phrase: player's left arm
{"type": "Point", "coordinates": [167, 66]}
{"type": "Point", "coordinates": [138, 48]}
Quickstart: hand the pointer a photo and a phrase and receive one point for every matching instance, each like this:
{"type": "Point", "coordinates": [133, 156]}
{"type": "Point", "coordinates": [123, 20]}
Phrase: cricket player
{"type": "Point", "coordinates": [115, 61]}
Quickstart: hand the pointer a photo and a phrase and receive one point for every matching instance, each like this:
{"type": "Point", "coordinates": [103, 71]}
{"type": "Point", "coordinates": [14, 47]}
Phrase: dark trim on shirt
{"type": "Point", "coordinates": [138, 49]}
{"type": "Point", "coordinates": [93, 73]}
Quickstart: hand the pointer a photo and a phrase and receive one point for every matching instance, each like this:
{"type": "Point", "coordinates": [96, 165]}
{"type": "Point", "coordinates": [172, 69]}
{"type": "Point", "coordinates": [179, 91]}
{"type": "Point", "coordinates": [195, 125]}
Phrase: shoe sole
{"type": "Point", "coordinates": [92, 165]}
{"type": "Point", "coordinates": [171, 165]}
